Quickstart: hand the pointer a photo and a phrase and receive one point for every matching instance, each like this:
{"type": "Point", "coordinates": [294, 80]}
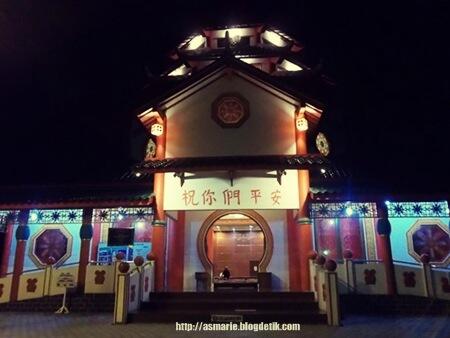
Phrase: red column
{"type": "Point", "coordinates": [304, 223]}
{"type": "Point", "coordinates": [86, 232]}
{"type": "Point", "coordinates": [176, 253]}
{"type": "Point", "coordinates": [293, 251]}
{"type": "Point", "coordinates": [97, 228]}
{"type": "Point", "coordinates": [384, 247]}
{"type": "Point", "coordinates": [22, 235]}
{"type": "Point", "coordinates": [159, 223]}
{"type": "Point", "coordinates": [7, 246]}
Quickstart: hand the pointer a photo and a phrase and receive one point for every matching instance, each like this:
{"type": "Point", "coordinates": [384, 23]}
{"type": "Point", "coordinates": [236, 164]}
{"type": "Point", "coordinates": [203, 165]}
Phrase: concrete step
{"type": "Point", "coordinates": [242, 295]}
{"type": "Point", "coordinates": [267, 316]}
{"type": "Point", "coordinates": [288, 307]}
{"type": "Point", "coordinates": [229, 304]}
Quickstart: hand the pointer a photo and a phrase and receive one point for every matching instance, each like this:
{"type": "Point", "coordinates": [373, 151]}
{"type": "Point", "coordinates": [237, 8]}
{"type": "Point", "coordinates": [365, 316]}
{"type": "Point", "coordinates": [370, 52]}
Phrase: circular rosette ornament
{"type": "Point", "coordinates": [322, 144]}
{"type": "Point", "coordinates": [230, 110]}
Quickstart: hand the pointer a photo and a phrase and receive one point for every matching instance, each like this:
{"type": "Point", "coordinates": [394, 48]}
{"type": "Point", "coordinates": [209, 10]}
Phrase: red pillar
{"type": "Point", "coordinates": [304, 223]}
{"type": "Point", "coordinates": [97, 228]}
{"type": "Point", "coordinates": [22, 235]}
{"type": "Point", "coordinates": [7, 246]}
{"type": "Point", "coordinates": [293, 251]}
{"type": "Point", "coordinates": [86, 233]}
{"type": "Point", "coordinates": [384, 247]}
{"type": "Point", "coordinates": [176, 253]}
{"type": "Point", "coordinates": [159, 222]}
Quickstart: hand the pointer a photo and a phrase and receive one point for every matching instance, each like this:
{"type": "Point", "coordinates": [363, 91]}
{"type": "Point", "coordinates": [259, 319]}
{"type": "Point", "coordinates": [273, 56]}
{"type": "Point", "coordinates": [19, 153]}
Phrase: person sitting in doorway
{"type": "Point", "coordinates": [225, 273]}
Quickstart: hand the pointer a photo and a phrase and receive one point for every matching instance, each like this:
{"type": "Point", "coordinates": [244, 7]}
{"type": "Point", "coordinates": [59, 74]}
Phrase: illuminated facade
{"type": "Point", "coordinates": [237, 159]}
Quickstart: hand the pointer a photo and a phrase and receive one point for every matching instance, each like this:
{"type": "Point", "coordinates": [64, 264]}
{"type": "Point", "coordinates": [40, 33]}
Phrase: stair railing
{"type": "Point", "coordinates": [133, 285]}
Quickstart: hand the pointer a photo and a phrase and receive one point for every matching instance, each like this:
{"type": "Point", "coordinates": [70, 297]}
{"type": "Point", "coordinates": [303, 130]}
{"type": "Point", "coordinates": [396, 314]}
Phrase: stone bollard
{"type": "Point", "coordinates": [332, 294]}
{"type": "Point", "coordinates": [349, 271]}
{"type": "Point", "coordinates": [121, 294]}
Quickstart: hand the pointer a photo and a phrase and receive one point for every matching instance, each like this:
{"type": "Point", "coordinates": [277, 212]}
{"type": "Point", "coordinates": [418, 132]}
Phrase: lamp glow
{"type": "Point", "coordinates": [349, 211]}
{"type": "Point", "coordinates": [157, 129]}
{"type": "Point", "coordinates": [301, 123]}
{"type": "Point", "coordinates": [326, 252]}
{"type": "Point", "coordinates": [196, 42]}
{"type": "Point", "coordinates": [138, 174]}
{"type": "Point", "coordinates": [140, 225]}
{"type": "Point", "coordinates": [323, 171]}
{"type": "Point", "coordinates": [33, 217]}
{"type": "Point", "coordinates": [274, 38]}
{"type": "Point", "coordinates": [290, 66]}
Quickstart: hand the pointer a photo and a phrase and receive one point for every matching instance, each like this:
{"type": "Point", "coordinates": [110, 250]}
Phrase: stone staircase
{"type": "Point", "coordinates": [287, 307]}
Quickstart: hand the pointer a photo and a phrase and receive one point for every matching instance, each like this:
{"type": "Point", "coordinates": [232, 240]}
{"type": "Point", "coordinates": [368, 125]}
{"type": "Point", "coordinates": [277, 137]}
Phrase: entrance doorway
{"type": "Point", "coordinates": [239, 239]}
{"type": "Point", "coordinates": [235, 241]}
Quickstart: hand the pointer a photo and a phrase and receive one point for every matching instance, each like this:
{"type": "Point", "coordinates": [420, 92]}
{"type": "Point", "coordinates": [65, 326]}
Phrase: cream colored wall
{"type": "Point", "coordinates": [108, 284]}
{"type": "Point", "coordinates": [38, 292]}
{"type": "Point", "coordinates": [278, 264]}
{"type": "Point", "coordinates": [192, 263]}
{"type": "Point", "coordinates": [6, 288]}
{"type": "Point", "coordinates": [269, 130]}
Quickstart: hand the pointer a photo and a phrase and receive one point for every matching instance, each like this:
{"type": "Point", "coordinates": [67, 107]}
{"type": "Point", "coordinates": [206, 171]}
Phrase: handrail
{"type": "Point", "coordinates": [7, 274]}
{"type": "Point", "coordinates": [100, 263]}
{"type": "Point", "coordinates": [409, 263]}
{"type": "Point", "coordinates": [364, 261]}
{"type": "Point", "coordinates": [32, 270]}
{"type": "Point", "coordinates": [66, 265]}
{"type": "Point", "coordinates": [135, 269]}
{"type": "Point", "coordinates": [435, 267]}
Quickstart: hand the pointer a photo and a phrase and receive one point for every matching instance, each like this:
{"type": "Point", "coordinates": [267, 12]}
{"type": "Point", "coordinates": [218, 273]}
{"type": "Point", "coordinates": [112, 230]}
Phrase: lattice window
{"type": "Point", "coordinates": [345, 209]}
{"type": "Point", "coordinates": [418, 209]}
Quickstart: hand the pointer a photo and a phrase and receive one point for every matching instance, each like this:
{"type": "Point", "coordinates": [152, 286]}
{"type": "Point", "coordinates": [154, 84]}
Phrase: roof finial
{"type": "Point", "coordinates": [227, 43]}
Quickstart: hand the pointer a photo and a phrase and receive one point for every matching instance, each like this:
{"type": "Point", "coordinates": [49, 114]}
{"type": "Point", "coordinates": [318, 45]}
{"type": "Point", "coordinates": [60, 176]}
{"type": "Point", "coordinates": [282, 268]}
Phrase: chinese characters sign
{"type": "Point", "coordinates": [217, 193]}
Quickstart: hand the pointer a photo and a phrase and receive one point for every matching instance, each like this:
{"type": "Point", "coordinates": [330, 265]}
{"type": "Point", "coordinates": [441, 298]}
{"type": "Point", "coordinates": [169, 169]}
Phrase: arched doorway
{"type": "Point", "coordinates": [246, 232]}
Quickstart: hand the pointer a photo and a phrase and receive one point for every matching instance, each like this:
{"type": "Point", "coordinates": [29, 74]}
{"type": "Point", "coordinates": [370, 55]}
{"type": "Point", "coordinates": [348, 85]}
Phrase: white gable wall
{"type": "Point", "coordinates": [191, 132]}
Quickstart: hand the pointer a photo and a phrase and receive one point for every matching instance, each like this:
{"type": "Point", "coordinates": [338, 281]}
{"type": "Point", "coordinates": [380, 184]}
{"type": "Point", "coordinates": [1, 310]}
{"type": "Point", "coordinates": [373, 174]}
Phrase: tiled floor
{"type": "Point", "coordinates": [38, 325]}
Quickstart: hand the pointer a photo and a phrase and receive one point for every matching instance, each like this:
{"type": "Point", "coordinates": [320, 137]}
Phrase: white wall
{"type": "Point", "coordinates": [191, 131]}
{"type": "Point", "coordinates": [192, 263]}
{"type": "Point", "coordinates": [278, 264]}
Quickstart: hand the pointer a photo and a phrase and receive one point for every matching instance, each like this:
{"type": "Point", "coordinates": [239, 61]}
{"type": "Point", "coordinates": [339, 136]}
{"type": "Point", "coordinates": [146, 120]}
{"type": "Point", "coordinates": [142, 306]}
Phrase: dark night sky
{"type": "Point", "coordinates": [70, 72]}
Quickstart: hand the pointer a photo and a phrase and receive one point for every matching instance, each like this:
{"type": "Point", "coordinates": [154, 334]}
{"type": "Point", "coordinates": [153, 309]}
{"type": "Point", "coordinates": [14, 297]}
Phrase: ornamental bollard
{"type": "Point", "coordinates": [349, 271]}
{"type": "Point", "coordinates": [121, 294]}
{"type": "Point", "coordinates": [332, 294]}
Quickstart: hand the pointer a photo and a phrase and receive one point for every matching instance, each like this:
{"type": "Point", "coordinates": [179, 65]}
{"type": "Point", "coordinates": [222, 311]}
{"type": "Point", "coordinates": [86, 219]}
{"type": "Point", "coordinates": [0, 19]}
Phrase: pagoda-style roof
{"type": "Point", "coordinates": [306, 86]}
{"type": "Point", "coordinates": [266, 162]}
{"type": "Point", "coordinates": [118, 194]}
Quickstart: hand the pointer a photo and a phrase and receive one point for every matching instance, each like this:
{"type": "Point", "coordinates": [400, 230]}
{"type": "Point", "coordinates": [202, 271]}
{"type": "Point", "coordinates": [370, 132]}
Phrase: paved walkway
{"type": "Point", "coordinates": [31, 325]}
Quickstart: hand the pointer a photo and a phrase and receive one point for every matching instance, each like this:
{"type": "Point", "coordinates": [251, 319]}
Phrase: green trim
{"type": "Point", "coordinates": [303, 220]}
{"type": "Point", "coordinates": [159, 223]}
